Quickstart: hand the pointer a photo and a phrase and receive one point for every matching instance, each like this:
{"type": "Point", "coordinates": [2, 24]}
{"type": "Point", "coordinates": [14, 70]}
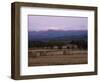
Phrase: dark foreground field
{"type": "Point", "coordinates": [43, 57]}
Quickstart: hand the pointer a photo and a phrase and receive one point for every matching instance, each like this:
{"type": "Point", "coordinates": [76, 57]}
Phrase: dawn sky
{"type": "Point", "coordinates": [38, 23]}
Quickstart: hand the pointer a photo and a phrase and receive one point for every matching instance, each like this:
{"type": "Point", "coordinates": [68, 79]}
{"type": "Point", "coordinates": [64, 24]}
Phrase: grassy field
{"type": "Point", "coordinates": [43, 57]}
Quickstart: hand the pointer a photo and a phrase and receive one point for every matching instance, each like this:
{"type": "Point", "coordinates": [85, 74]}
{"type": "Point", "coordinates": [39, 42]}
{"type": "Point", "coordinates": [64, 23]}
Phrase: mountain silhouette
{"type": "Point", "coordinates": [57, 35]}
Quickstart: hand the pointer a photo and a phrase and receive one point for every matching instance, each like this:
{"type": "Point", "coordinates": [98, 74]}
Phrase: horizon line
{"type": "Point", "coordinates": [57, 30]}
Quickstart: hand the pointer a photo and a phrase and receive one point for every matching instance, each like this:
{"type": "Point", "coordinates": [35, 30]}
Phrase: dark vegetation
{"type": "Point", "coordinates": [81, 44]}
{"type": "Point", "coordinates": [59, 39]}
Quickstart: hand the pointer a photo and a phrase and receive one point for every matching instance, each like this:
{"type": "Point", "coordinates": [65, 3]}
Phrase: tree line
{"type": "Point", "coordinates": [81, 44]}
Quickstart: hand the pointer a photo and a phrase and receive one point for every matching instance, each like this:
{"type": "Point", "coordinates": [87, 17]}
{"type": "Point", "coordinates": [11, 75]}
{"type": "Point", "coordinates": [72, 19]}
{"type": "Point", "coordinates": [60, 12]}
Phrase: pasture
{"type": "Point", "coordinates": [43, 57]}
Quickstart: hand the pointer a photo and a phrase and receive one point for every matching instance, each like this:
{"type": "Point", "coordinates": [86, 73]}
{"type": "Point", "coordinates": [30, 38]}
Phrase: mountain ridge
{"type": "Point", "coordinates": [56, 34]}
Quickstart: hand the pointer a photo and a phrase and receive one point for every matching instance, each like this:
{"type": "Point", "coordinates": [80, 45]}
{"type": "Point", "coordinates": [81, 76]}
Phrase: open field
{"type": "Point", "coordinates": [42, 57]}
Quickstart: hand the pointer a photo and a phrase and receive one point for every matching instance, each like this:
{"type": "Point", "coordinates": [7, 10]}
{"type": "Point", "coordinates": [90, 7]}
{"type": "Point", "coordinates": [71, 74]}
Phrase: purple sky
{"type": "Point", "coordinates": [38, 23]}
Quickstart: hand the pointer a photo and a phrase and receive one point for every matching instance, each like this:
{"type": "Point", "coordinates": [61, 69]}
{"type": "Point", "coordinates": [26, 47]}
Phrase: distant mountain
{"type": "Point", "coordinates": [57, 35]}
